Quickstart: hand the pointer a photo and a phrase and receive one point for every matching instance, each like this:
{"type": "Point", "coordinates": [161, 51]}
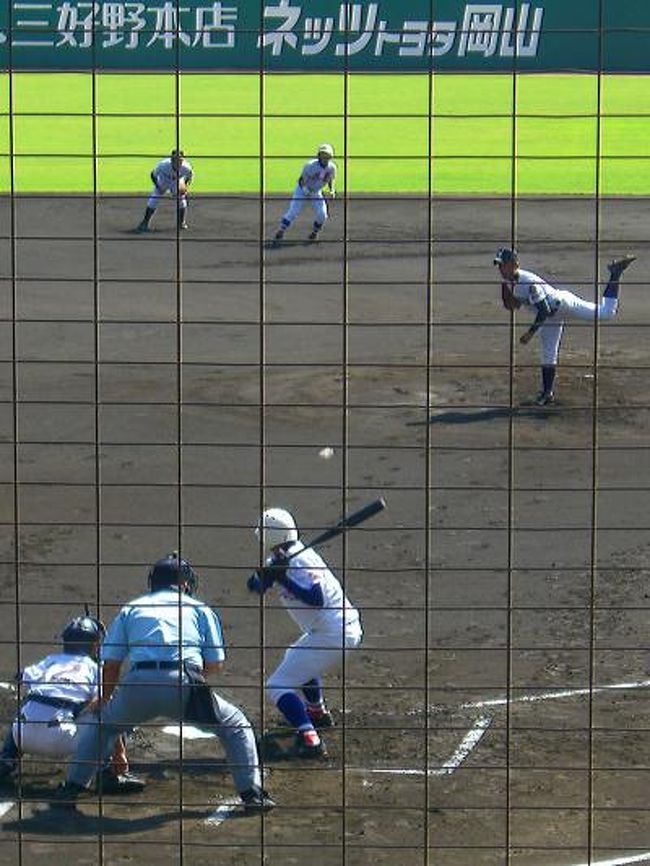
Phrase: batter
{"type": "Point", "coordinates": [315, 600]}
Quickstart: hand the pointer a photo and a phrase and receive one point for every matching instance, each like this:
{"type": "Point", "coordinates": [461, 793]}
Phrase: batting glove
{"type": "Point", "coordinates": [260, 581]}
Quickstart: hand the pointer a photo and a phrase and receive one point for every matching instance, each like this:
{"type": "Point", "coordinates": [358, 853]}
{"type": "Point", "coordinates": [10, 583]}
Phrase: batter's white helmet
{"type": "Point", "coordinates": [326, 148]}
{"type": "Point", "coordinates": [276, 526]}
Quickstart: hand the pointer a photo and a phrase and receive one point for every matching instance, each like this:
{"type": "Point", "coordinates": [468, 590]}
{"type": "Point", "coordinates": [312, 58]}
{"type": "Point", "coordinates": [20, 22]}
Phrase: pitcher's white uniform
{"type": "Point", "coordinates": [554, 306]}
{"type": "Point", "coordinates": [529, 288]}
{"type": "Point", "coordinates": [326, 631]}
{"type": "Point", "coordinates": [68, 682]}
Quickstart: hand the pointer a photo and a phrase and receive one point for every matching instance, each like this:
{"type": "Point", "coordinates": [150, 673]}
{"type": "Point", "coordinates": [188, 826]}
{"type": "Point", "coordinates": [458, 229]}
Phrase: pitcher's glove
{"type": "Point", "coordinates": [509, 301]}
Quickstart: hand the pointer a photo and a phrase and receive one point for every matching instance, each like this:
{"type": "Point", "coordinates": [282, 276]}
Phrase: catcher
{"type": "Point", "coordinates": [62, 691]}
{"type": "Point", "coordinates": [171, 175]}
{"type": "Point", "coordinates": [553, 307]}
{"type": "Point", "coordinates": [170, 644]}
{"type": "Point", "coordinates": [329, 623]}
{"type": "Point", "coordinates": [315, 184]}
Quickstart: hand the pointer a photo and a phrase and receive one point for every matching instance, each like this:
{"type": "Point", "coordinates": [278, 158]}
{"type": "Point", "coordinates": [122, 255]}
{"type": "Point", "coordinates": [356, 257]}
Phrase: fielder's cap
{"type": "Point", "coordinates": [177, 153]}
{"type": "Point", "coordinates": [326, 148]}
{"type": "Point", "coordinates": [505, 254]}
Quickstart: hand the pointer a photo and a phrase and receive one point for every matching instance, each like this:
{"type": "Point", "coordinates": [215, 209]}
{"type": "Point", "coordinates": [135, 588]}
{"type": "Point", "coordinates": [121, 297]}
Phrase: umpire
{"type": "Point", "coordinates": [172, 644]}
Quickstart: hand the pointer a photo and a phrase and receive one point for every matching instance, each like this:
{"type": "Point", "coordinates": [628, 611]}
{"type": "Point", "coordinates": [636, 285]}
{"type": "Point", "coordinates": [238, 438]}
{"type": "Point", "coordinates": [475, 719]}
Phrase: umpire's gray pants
{"type": "Point", "coordinates": [143, 695]}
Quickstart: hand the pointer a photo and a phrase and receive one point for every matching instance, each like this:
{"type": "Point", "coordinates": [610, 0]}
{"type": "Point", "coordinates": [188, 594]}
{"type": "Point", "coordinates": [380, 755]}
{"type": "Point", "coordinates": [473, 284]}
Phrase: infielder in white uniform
{"type": "Point", "coordinates": [172, 175]}
{"type": "Point", "coordinates": [329, 624]}
{"type": "Point", "coordinates": [62, 689]}
{"type": "Point", "coordinates": [553, 308]}
{"type": "Point", "coordinates": [317, 175]}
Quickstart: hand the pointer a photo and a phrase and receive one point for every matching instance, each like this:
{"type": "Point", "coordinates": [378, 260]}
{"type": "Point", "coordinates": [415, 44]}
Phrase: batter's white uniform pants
{"type": "Point", "coordinates": [315, 199]}
{"type": "Point", "coordinates": [47, 731]}
{"type": "Point", "coordinates": [571, 307]}
{"type": "Point", "coordinates": [161, 190]}
{"type": "Point", "coordinates": [309, 657]}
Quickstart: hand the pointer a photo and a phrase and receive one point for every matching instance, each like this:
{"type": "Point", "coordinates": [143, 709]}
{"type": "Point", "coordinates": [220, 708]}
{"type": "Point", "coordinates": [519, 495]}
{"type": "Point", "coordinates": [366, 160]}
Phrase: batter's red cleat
{"type": "Point", "coordinates": [308, 745]}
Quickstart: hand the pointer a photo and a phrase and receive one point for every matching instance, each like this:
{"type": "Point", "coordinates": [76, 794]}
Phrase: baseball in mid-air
{"type": "Point", "coordinates": [326, 453]}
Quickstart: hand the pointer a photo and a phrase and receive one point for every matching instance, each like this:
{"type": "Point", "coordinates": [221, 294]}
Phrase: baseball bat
{"type": "Point", "coordinates": [354, 519]}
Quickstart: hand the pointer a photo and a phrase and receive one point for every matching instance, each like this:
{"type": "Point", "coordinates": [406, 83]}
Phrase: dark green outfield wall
{"type": "Point", "coordinates": [323, 35]}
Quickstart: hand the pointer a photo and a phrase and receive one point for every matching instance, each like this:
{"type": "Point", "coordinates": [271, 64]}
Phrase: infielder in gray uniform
{"type": "Point", "coordinates": [172, 644]}
{"type": "Point", "coordinates": [553, 307]}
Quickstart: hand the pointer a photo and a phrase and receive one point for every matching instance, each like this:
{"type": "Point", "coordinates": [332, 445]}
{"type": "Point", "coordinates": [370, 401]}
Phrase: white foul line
{"type": "Point", "coordinates": [224, 811]}
{"type": "Point", "coordinates": [549, 696]}
{"type": "Point", "coordinates": [5, 807]}
{"type": "Point", "coordinates": [619, 861]}
{"type": "Point", "coordinates": [469, 742]}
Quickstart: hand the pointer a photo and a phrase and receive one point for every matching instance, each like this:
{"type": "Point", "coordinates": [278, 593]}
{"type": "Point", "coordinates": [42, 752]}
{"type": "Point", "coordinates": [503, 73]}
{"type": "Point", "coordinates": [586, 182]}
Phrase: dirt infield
{"type": "Point", "coordinates": [523, 530]}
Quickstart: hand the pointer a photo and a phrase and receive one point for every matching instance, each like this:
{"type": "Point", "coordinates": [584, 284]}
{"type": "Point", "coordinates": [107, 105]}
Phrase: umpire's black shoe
{"type": "Point", "coordinates": [65, 797]}
{"type": "Point", "coordinates": [7, 770]}
{"type": "Point", "coordinates": [124, 783]}
{"type": "Point", "coordinates": [256, 800]}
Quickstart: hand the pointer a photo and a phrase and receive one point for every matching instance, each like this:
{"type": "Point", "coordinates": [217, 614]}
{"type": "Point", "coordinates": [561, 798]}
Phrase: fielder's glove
{"type": "Point", "coordinates": [509, 301]}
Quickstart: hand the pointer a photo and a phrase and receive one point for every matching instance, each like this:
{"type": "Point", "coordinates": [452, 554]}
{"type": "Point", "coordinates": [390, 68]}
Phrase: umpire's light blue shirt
{"type": "Point", "coordinates": [164, 626]}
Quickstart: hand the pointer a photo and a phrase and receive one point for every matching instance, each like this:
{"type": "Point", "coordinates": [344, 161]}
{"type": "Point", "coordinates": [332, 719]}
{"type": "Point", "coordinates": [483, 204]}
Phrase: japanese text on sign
{"type": "Point", "coordinates": [489, 30]}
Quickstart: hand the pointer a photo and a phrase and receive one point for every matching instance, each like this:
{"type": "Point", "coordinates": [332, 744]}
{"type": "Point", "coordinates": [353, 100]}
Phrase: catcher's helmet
{"type": "Point", "coordinates": [172, 571]}
{"type": "Point", "coordinates": [81, 633]}
{"type": "Point", "coordinates": [276, 526]}
{"type": "Point", "coordinates": [326, 149]}
{"type": "Point", "coordinates": [505, 254]}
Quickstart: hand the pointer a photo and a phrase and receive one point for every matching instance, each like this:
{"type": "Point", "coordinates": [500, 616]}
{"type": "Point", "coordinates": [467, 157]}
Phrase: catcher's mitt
{"type": "Point", "coordinates": [509, 301]}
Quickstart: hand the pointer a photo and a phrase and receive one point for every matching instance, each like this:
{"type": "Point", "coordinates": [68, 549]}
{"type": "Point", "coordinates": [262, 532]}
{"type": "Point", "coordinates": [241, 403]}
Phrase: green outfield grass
{"type": "Point", "coordinates": [383, 119]}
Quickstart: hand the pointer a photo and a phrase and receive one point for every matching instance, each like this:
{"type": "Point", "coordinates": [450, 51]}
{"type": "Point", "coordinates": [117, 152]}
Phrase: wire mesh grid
{"type": "Point", "coordinates": [162, 389]}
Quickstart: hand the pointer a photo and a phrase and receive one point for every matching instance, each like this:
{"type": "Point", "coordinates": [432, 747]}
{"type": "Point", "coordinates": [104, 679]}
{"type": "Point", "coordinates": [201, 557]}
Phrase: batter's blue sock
{"type": "Point", "coordinates": [313, 693]}
{"type": "Point", "coordinates": [612, 288]}
{"type": "Point", "coordinates": [548, 378]}
{"type": "Point", "coordinates": [293, 709]}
